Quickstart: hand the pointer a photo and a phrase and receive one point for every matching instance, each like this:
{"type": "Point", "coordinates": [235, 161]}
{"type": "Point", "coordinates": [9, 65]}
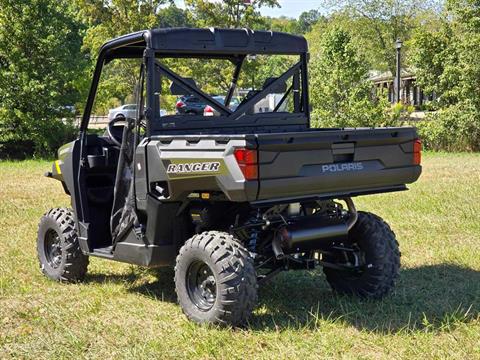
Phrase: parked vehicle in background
{"type": "Point", "coordinates": [127, 111]}
{"type": "Point", "coordinates": [210, 111]}
{"type": "Point", "coordinates": [190, 104]}
{"type": "Point", "coordinates": [67, 109]}
{"type": "Point", "coordinates": [269, 103]}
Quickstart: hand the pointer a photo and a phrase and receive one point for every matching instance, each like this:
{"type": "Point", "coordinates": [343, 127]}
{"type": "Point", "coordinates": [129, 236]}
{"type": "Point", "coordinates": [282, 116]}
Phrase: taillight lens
{"type": "Point", "coordinates": [245, 156]}
{"type": "Point", "coordinates": [417, 152]}
{"type": "Point", "coordinates": [180, 104]}
{"type": "Point", "coordinates": [208, 111]}
{"type": "Point", "coordinates": [248, 161]}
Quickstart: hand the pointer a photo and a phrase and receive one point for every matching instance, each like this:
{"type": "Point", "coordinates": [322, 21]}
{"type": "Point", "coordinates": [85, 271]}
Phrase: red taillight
{"type": "Point", "coordinates": [179, 104]}
{"type": "Point", "coordinates": [208, 111]}
{"type": "Point", "coordinates": [245, 156]}
{"type": "Point", "coordinates": [417, 152]}
{"type": "Point", "coordinates": [248, 162]}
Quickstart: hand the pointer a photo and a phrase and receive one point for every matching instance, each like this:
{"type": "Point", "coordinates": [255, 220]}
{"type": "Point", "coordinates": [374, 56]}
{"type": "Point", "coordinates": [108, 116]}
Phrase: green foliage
{"type": "Point", "coordinates": [341, 94]}
{"type": "Point", "coordinates": [229, 13]}
{"type": "Point", "coordinates": [375, 25]}
{"type": "Point", "coordinates": [399, 113]}
{"type": "Point", "coordinates": [303, 25]}
{"type": "Point", "coordinates": [39, 64]}
{"type": "Point", "coordinates": [456, 128]}
{"type": "Point", "coordinates": [284, 24]}
{"type": "Point", "coordinates": [435, 58]}
{"type": "Point", "coordinates": [447, 63]}
{"type": "Point", "coordinates": [107, 20]}
{"type": "Point", "coordinates": [307, 19]}
{"type": "Point", "coordinates": [172, 16]}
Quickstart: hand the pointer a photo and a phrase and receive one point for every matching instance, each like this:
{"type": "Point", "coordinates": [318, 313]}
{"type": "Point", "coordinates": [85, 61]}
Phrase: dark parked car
{"type": "Point", "coordinates": [210, 111]}
{"type": "Point", "coordinates": [190, 104]}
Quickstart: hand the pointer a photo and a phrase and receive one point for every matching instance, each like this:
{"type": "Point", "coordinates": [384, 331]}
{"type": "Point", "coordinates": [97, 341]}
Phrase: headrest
{"type": "Point", "coordinates": [278, 88]}
{"type": "Point", "coordinates": [178, 89]}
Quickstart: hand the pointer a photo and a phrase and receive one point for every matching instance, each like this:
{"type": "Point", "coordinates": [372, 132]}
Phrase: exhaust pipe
{"type": "Point", "coordinates": [311, 233]}
{"type": "Point", "coordinates": [277, 247]}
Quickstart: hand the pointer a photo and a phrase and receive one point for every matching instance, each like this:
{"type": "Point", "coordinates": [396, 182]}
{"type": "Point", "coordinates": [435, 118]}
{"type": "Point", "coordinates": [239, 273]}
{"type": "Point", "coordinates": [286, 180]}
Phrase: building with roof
{"type": "Point", "coordinates": [410, 92]}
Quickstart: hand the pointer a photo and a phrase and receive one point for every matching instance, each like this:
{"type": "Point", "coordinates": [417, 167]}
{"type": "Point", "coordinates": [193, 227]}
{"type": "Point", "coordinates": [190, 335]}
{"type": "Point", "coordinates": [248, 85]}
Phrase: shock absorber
{"type": "Point", "coordinates": [252, 243]}
{"type": "Point", "coordinates": [253, 238]}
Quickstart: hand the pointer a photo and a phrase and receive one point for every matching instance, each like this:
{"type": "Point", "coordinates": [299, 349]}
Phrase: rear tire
{"type": "Point", "coordinates": [215, 279]}
{"type": "Point", "coordinates": [379, 247]}
{"type": "Point", "coordinates": [58, 249]}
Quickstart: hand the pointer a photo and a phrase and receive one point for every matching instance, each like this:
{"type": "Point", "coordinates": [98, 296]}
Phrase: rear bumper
{"type": "Point", "coordinates": [337, 185]}
{"type": "Point", "coordinates": [328, 196]}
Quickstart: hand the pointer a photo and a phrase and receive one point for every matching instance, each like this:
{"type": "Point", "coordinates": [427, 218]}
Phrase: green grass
{"type": "Point", "coordinates": [122, 311]}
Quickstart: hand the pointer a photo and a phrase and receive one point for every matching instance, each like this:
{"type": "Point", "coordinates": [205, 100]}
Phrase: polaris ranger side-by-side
{"type": "Point", "coordinates": [230, 200]}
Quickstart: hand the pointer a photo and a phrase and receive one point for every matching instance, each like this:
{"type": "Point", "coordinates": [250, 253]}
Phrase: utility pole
{"type": "Point", "coordinates": [398, 78]}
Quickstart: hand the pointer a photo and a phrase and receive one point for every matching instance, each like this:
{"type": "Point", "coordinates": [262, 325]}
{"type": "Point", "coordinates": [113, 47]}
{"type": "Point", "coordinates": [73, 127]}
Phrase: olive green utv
{"type": "Point", "coordinates": [229, 200]}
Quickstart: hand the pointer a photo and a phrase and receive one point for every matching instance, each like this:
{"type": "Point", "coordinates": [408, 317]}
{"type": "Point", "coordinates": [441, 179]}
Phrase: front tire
{"type": "Point", "coordinates": [58, 249]}
{"type": "Point", "coordinates": [381, 260]}
{"type": "Point", "coordinates": [215, 279]}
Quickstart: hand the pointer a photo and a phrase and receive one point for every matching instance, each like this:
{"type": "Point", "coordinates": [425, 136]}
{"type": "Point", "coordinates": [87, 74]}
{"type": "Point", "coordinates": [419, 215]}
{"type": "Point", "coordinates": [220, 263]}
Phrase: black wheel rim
{"type": "Point", "coordinates": [53, 249]}
{"type": "Point", "coordinates": [201, 285]}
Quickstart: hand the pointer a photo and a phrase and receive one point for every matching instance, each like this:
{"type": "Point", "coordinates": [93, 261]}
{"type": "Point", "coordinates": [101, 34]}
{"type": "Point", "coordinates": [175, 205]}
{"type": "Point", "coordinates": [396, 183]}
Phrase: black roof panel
{"type": "Point", "coordinates": [242, 41]}
{"type": "Point", "coordinates": [184, 42]}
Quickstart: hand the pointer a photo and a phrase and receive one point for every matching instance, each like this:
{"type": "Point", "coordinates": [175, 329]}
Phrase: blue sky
{"type": "Point", "coordinates": [290, 8]}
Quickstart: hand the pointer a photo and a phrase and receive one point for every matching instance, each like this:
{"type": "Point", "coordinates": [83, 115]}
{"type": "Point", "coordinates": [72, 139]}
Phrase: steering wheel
{"type": "Point", "coordinates": [115, 130]}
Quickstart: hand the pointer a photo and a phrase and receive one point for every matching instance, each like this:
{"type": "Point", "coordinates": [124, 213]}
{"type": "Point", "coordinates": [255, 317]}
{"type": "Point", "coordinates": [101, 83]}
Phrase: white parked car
{"type": "Point", "coordinates": [127, 111]}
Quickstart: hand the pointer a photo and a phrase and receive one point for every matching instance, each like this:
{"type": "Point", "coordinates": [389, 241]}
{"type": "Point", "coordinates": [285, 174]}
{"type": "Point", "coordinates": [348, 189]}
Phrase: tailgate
{"type": "Point", "coordinates": [335, 162]}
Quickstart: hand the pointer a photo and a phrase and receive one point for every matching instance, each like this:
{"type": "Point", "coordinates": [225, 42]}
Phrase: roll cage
{"type": "Point", "coordinates": [228, 44]}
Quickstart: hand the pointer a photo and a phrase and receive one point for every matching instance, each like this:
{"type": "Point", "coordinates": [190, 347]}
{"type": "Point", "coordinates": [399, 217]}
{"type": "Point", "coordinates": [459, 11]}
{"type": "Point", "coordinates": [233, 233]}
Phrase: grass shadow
{"type": "Point", "coordinates": [434, 297]}
{"type": "Point", "coordinates": [162, 289]}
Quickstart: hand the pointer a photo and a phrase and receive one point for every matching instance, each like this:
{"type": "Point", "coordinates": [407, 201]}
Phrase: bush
{"type": "Point", "coordinates": [22, 136]}
{"type": "Point", "coordinates": [341, 93]}
{"type": "Point", "coordinates": [40, 64]}
{"type": "Point", "coordinates": [456, 128]}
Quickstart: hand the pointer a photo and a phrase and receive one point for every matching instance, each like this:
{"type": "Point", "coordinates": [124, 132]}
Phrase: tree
{"type": "Point", "coordinates": [109, 19]}
{"type": "Point", "coordinates": [307, 19]}
{"type": "Point", "coordinates": [293, 26]}
{"type": "Point", "coordinates": [172, 16]}
{"type": "Point", "coordinates": [40, 62]}
{"type": "Point", "coordinates": [283, 24]}
{"type": "Point", "coordinates": [377, 24]}
{"type": "Point", "coordinates": [435, 58]}
{"type": "Point", "coordinates": [447, 64]}
{"type": "Point", "coordinates": [229, 13]}
{"type": "Point", "coordinates": [340, 91]}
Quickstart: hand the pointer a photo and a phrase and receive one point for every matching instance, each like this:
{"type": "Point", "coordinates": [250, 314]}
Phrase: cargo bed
{"type": "Point", "coordinates": [314, 163]}
{"type": "Point", "coordinates": [335, 162]}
